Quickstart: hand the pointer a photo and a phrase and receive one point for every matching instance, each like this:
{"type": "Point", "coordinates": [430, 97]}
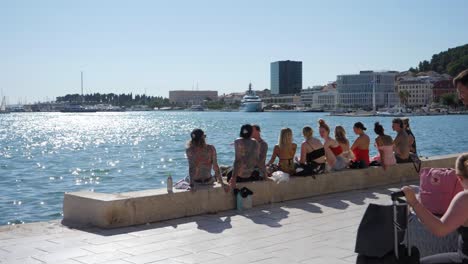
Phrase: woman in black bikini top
{"type": "Point", "coordinates": [312, 160]}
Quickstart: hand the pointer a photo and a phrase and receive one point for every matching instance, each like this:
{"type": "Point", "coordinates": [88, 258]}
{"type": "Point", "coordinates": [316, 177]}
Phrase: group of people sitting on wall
{"type": "Point", "coordinates": [250, 165]}
{"type": "Point", "coordinates": [251, 150]}
{"type": "Point", "coordinates": [333, 154]}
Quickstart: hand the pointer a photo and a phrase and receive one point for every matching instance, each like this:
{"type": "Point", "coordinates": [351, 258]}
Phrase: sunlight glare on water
{"type": "Point", "coordinates": [43, 155]}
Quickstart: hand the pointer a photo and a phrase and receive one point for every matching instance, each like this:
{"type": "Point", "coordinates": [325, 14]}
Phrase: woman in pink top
{"type": "Point", "coordinates": [384, 144]}
{"type": "Point", "coordinates": [456, 217]}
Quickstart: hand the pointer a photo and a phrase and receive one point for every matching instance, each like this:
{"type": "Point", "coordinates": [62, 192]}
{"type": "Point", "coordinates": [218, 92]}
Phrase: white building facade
{"type": "Point", "coordinates": [357, 90]}
{"type": "Point", "coordinates": [420, 92]}
{"type": "Point", "coordinates": [319, 99]}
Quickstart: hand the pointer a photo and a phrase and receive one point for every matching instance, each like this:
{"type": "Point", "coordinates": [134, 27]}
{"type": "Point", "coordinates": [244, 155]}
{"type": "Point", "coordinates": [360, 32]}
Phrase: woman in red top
{"type": "Point", "coordinates": [333, 150]}
{"type": "Point", "coordinates": [360, 147]}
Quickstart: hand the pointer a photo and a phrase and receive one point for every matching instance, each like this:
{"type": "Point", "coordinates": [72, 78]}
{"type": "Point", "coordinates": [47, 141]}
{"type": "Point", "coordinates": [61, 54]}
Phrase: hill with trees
{"type": "Point", "coordinates": [451, 61]}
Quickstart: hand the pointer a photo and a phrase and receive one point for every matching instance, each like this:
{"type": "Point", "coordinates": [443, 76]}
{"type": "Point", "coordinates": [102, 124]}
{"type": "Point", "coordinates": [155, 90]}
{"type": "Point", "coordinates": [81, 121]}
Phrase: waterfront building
{"type": "Point", "coordinates": [232, 98]}
{"type": "Point", "coordinates": [307, 95]}
{"type": "Point", "coordinates": [188, 97]}
{"type": "Point", "coordinates": [286, 77]}
{"type": "Point", "coordinates": [325, 99]}
{"type": "Point", "coordinates": [419, 91]}
{"type": "Point", "coordinates": [287, 99]}
{"type": "Point", "coordinates": [319, 97]}
{"type": "Point", "coordinates": [263, 93]}
{"type": "Point", "coordinates": [441, 88]}
{"type": "Point", "coordinates": [356, 90]}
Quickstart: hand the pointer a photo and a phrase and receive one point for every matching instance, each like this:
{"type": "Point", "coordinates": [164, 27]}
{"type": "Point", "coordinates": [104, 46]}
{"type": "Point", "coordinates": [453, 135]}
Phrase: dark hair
{"type": "Point", "coordinates": [398, 121]}
{"type": "Point", "coordinates": [406, 122]}
{"type": "Point", "coordinates": [360, 126]}
{"type": "Point", "coordinates": [324, 125]}
{"type": "Point", "coordinates": [462, 78]}
{"type": "Point", "coordinates": [197, 138]}
{"type": "Point", "coordinates": [378, 129]}
{"type": "Point", "coordinates": [246, 131]}
{"type": "Point", "coordinates": [307, 131]}
{"type": "Point", "coordinates": [257, 127]}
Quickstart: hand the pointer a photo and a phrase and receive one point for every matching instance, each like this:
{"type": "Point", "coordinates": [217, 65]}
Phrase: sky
{"type": "Point", "coordinates": [157, 46]}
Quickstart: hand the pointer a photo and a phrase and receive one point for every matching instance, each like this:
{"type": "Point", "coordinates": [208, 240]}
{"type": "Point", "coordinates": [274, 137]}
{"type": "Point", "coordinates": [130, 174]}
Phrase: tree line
{"type": "Point", "coordinates": [452, 61]}
{"type": "Point", "coordinates": [125, 100]}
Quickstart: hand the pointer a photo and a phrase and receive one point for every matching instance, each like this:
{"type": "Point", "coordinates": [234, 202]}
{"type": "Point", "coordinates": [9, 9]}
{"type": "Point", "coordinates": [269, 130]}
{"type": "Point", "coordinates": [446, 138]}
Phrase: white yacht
{"type": "Point", "coordinates": [251, 102]}
{"type": "Point", "coordinates": [197, 108]}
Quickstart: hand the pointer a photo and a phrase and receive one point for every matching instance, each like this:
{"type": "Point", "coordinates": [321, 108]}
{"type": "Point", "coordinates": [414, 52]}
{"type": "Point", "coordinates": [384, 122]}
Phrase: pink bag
{"type": "Point", "coordinates": [437, 187]}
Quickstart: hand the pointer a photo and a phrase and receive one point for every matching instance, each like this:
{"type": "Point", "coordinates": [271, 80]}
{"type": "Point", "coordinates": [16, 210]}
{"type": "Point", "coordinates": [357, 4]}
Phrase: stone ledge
{"type": "Point", "coordinates": [134, 208]}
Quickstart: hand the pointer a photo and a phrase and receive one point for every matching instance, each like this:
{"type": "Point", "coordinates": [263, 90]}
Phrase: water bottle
{"type": "Point", "coordinates": [169, 184]}
{"type": "Point", "coordinates": [239, 201]}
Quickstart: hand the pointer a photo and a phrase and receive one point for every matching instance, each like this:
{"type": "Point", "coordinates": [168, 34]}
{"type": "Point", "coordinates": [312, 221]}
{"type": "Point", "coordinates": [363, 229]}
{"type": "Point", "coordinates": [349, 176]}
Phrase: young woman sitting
{"type": "Point", "coordinates": [312, 160]}
{"type": "Point", "coordinates": [333, 150]}
{"type": "Point", "coordinates": [360, 147]}
{"type": "Point", "coordinates": [340, 137]}
{"type": "Point", "coordinates": [384, 144]}
{"type": "Point", "coordinates": [285, 152]}
{"type": "Point", "coordinates": [247, 164]}
{"type": "Point", "coordinates": [202, 160]}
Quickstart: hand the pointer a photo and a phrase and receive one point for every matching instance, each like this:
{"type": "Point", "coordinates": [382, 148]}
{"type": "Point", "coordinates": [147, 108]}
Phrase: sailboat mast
{"type": "Point", "coordinates": [373, 93]}
{"type": "Point", "coordinates": [82, 96]}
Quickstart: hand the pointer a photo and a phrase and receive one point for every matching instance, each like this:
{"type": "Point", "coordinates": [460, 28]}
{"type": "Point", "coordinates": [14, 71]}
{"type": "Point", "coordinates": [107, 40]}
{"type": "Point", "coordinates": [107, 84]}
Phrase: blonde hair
{"type": "Point", "coordinates": [461, 165]}
{"type": "Point", "coordinates": [307, 131]}
{"type": "Point", "coordinates": [340, 135]}
{"type": "Point", "coordinates": [285, 138]}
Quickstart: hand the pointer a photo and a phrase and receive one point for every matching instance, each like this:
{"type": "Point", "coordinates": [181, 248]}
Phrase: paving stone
{"type": "Point", "coordinates": [314, 230]}
{"type": "Point", "coordinates": [156, 256]}
{"type": "Point", "coordinates": [68, 253]}
{"type": "Point", "coordinates": [97, 258]}
{"type": "Point", "coordinates": [201, 257]}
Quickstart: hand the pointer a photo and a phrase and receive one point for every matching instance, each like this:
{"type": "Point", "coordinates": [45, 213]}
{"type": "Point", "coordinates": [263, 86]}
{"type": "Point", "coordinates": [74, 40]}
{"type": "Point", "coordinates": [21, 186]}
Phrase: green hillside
{"type": "Point", "coordinates": [452, 61]}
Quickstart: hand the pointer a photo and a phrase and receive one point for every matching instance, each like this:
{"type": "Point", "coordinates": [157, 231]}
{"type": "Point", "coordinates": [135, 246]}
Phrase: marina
{"type": "Point", "coordinates": [3, 109]}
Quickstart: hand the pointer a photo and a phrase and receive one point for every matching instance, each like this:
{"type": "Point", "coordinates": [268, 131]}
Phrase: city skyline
{"type": "Point", "coordinates": [152, 47]}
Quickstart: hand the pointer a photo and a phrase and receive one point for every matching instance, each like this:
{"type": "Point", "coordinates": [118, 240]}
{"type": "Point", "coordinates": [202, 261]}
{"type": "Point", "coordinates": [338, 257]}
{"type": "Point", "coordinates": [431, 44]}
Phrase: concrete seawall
{"type": "Point", "coordinates": [133, 208]}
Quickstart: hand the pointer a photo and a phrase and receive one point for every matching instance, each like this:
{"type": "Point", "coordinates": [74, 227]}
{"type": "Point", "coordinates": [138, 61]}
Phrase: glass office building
{"type": "Point", "coordinates": [286, 77]}
{"type": "Point", "coordinates": [355, 90]}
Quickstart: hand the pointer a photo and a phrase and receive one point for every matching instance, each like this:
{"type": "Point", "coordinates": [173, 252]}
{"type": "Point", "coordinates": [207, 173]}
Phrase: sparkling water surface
{"type": "Point", "coordinates": [43, 155]}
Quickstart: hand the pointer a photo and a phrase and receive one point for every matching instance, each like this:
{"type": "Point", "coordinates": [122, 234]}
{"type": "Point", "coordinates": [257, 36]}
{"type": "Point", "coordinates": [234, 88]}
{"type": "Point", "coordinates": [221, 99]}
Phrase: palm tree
{"type": "Point", "coordinates": [404, 95]}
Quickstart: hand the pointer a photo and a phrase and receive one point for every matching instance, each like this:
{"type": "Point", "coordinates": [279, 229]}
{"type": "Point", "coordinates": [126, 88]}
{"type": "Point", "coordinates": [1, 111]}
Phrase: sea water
{"type": "Point", "coordinates": [43, 155]}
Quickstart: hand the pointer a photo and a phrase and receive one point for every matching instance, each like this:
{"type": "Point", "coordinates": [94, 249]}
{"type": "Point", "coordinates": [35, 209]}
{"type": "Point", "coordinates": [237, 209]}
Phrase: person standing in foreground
{"type": "Point", "coordinates": [263, 147]}
{"type": "Point", "coordinates": [202, 159]}
{"type": "Point", "coordinates": [456, 217]}
{"type": "Point", "coordinates": [461, 84]}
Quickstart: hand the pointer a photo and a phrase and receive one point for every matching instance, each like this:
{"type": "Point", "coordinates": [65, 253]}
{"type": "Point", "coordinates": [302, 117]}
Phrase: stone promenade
{"type": "Point", "coordinates": [315, 230]}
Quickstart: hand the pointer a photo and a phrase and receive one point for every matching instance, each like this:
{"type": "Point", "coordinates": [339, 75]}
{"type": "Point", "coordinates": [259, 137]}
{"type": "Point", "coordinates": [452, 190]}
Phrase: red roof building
{"type": "Point", "coordinates": [441, 88]}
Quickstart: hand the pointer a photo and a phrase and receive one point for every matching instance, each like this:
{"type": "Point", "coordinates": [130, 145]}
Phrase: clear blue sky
{"type": "Point", "coordinates": [157, 46]}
